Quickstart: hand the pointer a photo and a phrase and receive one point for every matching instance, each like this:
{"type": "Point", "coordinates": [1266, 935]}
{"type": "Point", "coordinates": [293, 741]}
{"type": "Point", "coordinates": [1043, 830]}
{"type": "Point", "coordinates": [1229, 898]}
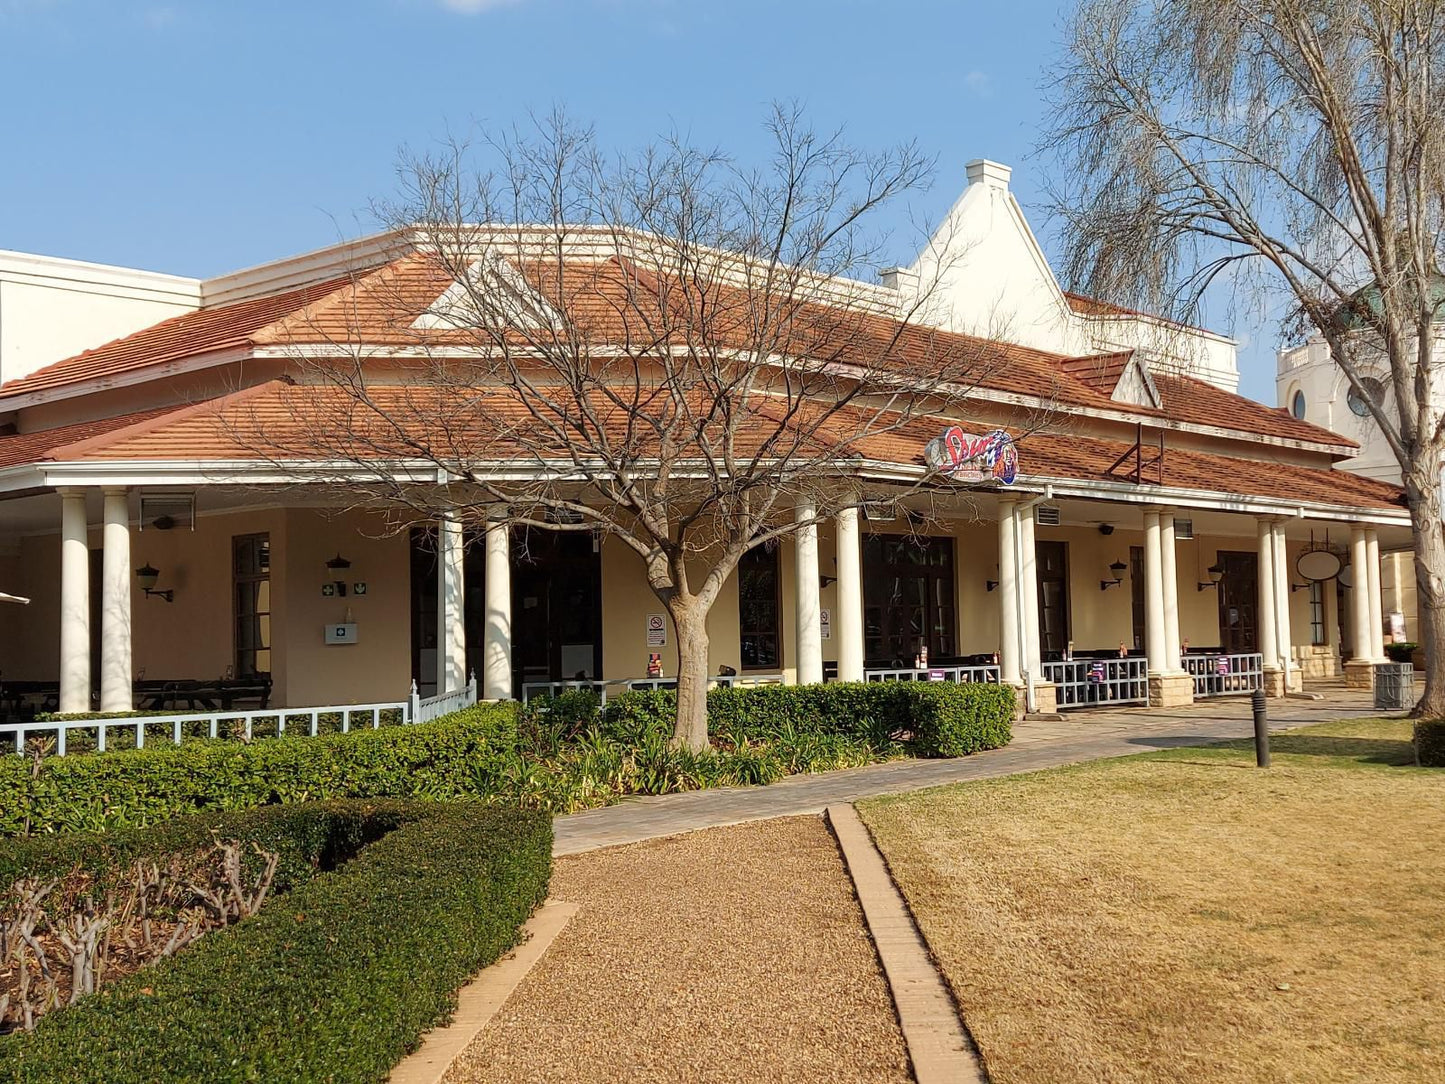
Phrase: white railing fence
{"type": "Point", "coordinates": [613, 686]}
{"type": "Point", "coordinates": [424, 710]}
{"type": "Point", "coordinates": [1225, 675]}
{"type": "Point", "coordinates": [987, 675]}
{"type": "Point", "coordinates": [137, 731]}
{"type": "Point", "coordinates": [1082, 683]}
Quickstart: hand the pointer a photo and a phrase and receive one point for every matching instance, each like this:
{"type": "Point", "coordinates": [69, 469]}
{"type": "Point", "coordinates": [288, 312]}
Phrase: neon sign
{"type": "Point", "coordinates": [965, 458]}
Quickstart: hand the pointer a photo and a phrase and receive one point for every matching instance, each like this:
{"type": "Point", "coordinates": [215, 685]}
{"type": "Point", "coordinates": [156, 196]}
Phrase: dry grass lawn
{"type": "Point", "coordinates": [1186, 916]}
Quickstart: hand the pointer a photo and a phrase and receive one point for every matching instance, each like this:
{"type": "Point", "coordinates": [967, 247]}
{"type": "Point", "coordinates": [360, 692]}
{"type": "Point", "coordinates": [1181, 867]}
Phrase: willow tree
{"type": "Point", "coordinates": [666, 348]}
{"type": "Point", "coordinates": [1292, 146]}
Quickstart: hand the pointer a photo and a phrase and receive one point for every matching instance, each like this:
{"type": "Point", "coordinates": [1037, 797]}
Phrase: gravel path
{"type": "Point", "coordinates": [724, 955]}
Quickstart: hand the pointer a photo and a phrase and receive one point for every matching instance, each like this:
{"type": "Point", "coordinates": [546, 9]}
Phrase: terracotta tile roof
{"type": "Point", "coordinates": [279, 421]}
{"type": "Point", "coordinates": [38, 446]}
{"type": "Point", "coordinates": [1093, 306]}
{"type": "Point", "coordinates": [610, 301]}
{"type": "Point", "coordinates": [1099, 371]}
{"type": "Point", "coordinates": [179, 337]}
{"type": "Point", "coordinates": [1059, 456]}
{"type": "Point", "coordinates": [1187, 399]}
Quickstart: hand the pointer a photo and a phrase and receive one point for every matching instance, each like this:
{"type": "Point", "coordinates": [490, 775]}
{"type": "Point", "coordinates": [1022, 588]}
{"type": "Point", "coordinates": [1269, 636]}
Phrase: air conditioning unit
{"type": "Point", "coordinates": [1047, 515]}
{"type": "Point", "coordinates": [1183, 530]}
{"type": "Point", "coordinates": [880, 511]}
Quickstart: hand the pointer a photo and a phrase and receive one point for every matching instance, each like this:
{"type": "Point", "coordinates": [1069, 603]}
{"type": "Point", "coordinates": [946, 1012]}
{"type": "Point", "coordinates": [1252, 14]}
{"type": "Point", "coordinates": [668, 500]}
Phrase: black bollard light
{"type": "Point", "coordinates": [1261, 729]}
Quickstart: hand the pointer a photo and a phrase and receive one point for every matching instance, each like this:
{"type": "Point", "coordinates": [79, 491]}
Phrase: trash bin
{"type": "Point", "coordinates": [1394, 686]}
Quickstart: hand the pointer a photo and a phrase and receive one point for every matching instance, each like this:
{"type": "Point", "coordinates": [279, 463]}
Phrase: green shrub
{"type": "Point", "coordinates": [1402, 652]}
{"type": "Point", "coordinates": [936, 718]}
{"type": "Point", "coordinates": [1430, 743]}
{"type": "Point", "coordinates": [335, 980]}
{"type": "Point", "coordinates": [137, 787]}
{"type": "Point", "coordinates": [947, 724]}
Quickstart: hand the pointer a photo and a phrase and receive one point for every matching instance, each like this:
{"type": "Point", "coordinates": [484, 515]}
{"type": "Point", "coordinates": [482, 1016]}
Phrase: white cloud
{"type": "Point", "coordinates": [980, 83]}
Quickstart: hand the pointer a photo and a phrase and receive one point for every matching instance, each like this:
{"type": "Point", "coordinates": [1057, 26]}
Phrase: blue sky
{"type": "Point", "coordinates": [198, 137]}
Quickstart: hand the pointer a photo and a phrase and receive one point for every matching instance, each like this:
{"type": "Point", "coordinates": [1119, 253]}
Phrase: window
{"type": "Point", "coordinates": [1317, 613]}
{"type": "Point", "coordinates": [759, 610]}
{"type": "Point", "coordinates": [908, 598]}
{"type": "Point", "coordinates": [251, 575]}
{"type": "Point", "coordinates": [1376, 391]}
{"type": "Point", "coordinates": [1297, 405]}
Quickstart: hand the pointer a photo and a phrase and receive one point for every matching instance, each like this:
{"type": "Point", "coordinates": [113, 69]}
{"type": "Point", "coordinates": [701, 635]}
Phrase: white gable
{"type": "Point", "coordinates": [984, 273]}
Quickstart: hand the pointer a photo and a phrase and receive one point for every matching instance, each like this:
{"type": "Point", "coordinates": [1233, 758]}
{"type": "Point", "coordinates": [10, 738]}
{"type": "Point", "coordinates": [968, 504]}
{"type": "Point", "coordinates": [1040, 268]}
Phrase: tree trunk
{"type": "Point", "coordinates": [1422, 488]}
{"type": "Point", "coordinates": [692, 678]}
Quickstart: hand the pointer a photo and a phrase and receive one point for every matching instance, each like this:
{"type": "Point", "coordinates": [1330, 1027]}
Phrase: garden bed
{"type": "Point", "coordinates": [558, 754]}
{"type": "Point", "coordinates": [380, 911]}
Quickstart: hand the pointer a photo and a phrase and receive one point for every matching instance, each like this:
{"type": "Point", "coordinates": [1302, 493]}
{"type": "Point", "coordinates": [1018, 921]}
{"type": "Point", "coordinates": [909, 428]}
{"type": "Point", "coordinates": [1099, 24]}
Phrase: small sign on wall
{"type": "Point", "coordinates": [825, 623]}
{"type": "Point", "coordinates": [656, 630]}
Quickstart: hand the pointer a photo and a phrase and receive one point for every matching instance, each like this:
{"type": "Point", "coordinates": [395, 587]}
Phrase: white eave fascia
{"type": "Point", "coordinates": [130, 378]}
{"type": "Point", "coordinates": [204, 472]}
{"type": "Point", "coordinates": [1171, 496]}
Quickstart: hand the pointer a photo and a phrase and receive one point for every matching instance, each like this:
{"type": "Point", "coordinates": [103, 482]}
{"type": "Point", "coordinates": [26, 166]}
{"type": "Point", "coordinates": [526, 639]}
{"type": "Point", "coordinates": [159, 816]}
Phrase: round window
{"type": "Point", "coordinates": [1376, 392]}
{"type": "Point", "coordinates": [1297, 405]}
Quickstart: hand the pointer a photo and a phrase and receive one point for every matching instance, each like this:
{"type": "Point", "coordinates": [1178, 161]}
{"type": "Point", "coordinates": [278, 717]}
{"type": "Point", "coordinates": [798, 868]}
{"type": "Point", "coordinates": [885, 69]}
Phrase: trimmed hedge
{"type": "Point", "coordinates": [934, 718]}
{"type": "Point", "coordinates": [136, 787]}
{"type": "Point", "coordinates": [333, 981]}
{"type": "Point", "coordinates": [1430, 743]}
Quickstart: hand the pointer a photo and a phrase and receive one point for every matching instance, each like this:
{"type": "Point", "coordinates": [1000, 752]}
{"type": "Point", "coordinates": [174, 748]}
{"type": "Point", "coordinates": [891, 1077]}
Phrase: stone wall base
{"type": "Point", "coordinates": [1170, 690]}
{"type": "Point", "coordinates": [1273, 681]}
{"type": "Point", "coordinates": [1359, 674]}
{"type": "Point", "coordinates": [1046, 696]}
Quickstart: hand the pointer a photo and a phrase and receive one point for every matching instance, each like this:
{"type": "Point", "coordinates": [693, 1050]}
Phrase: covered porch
{"type": "Point", "coordinates": [228, 597]}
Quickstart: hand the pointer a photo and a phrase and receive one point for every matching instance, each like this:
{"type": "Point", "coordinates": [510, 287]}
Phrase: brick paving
{"type": "Point", "coordinates": [1078, 737]}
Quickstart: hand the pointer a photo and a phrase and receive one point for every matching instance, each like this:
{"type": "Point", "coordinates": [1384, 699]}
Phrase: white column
{"type": "Point", "coordinates": [1169, 572]}
{"type": "Point", "coordinates": [1377, 609]}
{"type": "Point", "coordinates": [1009, 655]}
{"type": "Point", "coordinates": [115, 621]}
{"type": "Point", "coordinates": [1282, 602]}
{"type": "Point", "coordinates": [74, 603]}
{"type": "Point", "coordinates": [848, 621]}
{"type": "Point", "coordinates": [1032, 655]}
{"type": "Point", "coordinates": [451, 605]}
{"type": "Point", "coordinates": [497, 606]}
{"type": "Point", "coordinates": [808, 626]}
{"type": "Point", "coordinates": [1156, 646]}
{"type": "Point", "coordinates": [1360, 595]}
{"type": "Point", "coordinates": [1267, 612]}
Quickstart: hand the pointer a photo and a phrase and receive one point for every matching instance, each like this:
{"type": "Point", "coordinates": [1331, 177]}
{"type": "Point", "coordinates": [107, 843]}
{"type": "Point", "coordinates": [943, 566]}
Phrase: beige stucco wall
{"type": "Point", "coordinates": [378, 666]}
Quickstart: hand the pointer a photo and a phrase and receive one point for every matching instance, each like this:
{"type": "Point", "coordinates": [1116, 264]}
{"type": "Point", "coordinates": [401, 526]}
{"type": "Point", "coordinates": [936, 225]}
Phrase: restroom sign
{"type": "Point", "coordinates": [825, 624]}
{"type": "Point", "coordinates": [656, 630]}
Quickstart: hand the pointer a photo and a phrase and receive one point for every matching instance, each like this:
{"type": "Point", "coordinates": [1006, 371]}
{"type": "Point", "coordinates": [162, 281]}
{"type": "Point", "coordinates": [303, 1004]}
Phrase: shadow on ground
{"type": "Point", "coordinates": [1388, 751]}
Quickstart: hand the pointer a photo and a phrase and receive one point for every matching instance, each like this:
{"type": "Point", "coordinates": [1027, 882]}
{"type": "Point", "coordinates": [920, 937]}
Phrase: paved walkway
{"type": "Point", "coordinates": [1080, 736]}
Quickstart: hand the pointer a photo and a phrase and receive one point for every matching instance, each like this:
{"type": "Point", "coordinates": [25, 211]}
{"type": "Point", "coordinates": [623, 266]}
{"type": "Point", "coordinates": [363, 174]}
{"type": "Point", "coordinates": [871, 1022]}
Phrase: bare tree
{"type": "Point", "coordinates": [664, 347]}
{"type": "Point", "coordinates": [1293, 145]}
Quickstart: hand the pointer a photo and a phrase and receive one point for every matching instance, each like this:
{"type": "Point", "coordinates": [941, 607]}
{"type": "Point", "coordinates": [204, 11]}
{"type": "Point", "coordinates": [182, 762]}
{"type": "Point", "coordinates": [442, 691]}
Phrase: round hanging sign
{"type": "Point", "coordinates": [1318, 565]}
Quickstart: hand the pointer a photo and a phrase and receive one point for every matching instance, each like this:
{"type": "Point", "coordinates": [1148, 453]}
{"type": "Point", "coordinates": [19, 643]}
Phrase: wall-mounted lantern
{"type": "Point", "coordinates": [1118, 568]}
{"type": "Point", "coordinates": [1215, 573]}
{"type": "Point", "coordinates": [990, 585]}
{"type": "Point", "coordinates": [148, 576]}
{"type": "Point", "coordinates": [336, 570]}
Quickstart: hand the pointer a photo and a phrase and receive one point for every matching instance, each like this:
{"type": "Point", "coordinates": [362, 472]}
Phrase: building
{"type": "Point", "coordinates": [1312, 388]}
{"type": "Point", "coordinates": [1146, 551]}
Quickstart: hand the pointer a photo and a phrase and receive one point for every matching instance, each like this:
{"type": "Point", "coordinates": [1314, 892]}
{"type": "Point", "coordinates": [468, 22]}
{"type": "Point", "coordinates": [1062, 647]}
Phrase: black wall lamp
{"type": "Point", "coordinates": [1297, 587]}
{"type": "Point", "coordinates": [990, 585]}
{"type": "Point", "coordinates": [1216, 573]}
{"type": "Point", "coordinates": [337, 566]}
{"type": "Point", "coordinates": [1118, 568]}
{"type": "Point", "coordinates": [147, 576]}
